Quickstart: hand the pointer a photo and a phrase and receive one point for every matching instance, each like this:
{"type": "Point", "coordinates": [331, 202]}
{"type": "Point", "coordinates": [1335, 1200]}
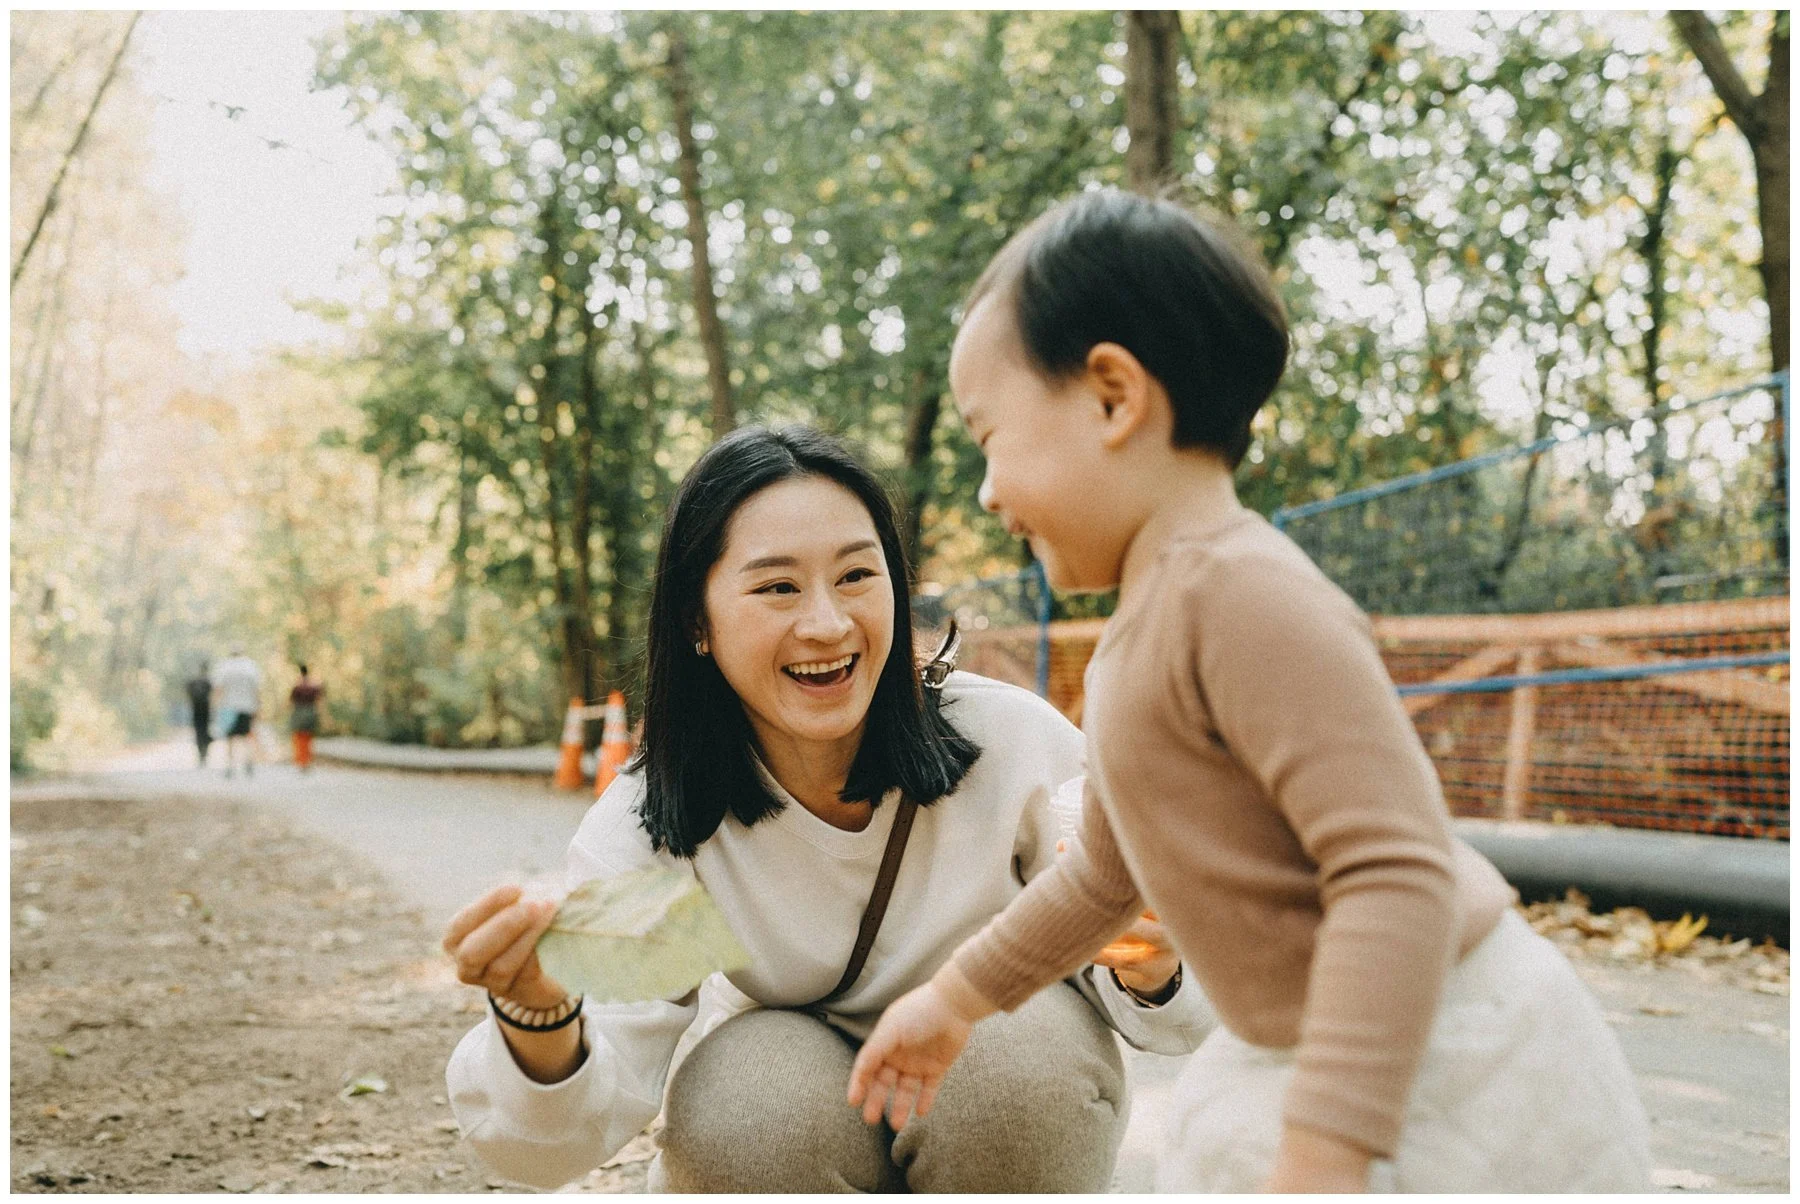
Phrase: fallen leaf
{"type": "Point", "coordinates": [60, 1051]}
{"type": "Point", "coordinates": [366, 1084]}
{"type": "Point", "coordinates": [53, 1112]}
{"type": "Point", "coordinates": [1658, 1009]}
{"type": "Point", "coordinates": [1675, 936]}
{"type": "Point", "coordinates": [323, 1119]}
{"type": "Point", "coordinates": [648, 934]}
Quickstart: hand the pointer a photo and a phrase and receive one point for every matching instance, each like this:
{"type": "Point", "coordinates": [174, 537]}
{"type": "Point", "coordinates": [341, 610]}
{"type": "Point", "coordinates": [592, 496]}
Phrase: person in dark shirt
{"type": "Point", "coordinates": [305, 720]}
{"type": "Point", "coordinates": [199, 692]}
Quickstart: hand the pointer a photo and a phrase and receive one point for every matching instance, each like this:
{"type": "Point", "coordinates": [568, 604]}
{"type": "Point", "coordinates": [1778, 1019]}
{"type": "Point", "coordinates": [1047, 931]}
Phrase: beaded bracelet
{"type": "Point", "coordinates": [537, 1020]}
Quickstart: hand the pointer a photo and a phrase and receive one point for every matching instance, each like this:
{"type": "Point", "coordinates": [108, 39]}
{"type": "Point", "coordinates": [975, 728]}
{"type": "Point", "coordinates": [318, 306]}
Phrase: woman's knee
{"type": "Point", "coordinates": [1037, 1102]}
{"type": "Point", "coordinates": [758, 1105]}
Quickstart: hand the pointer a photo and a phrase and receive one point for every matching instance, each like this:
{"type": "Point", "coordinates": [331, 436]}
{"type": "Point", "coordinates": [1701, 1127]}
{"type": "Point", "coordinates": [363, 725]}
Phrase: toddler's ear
{"type": "Point", "coordinates": [1125, 390]}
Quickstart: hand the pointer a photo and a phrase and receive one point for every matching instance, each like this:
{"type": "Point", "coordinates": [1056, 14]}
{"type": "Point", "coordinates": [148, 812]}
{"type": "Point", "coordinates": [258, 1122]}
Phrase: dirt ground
{"type": "Point", "coordinates": [210, 995]}
{"type": "Point", "coordinates": [204, 1000]}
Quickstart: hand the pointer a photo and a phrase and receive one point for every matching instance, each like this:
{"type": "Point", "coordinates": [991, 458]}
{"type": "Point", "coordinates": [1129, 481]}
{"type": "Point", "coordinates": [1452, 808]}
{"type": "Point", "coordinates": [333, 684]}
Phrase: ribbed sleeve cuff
{"type": "Point", "coordinates": [1356, 1121]}
{"type": "Point", "coordinates": [1051, 930]}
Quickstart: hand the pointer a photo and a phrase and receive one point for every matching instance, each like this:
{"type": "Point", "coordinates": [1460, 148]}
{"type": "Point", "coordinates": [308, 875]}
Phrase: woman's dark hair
{"type": "Point", "coordinates": [1191, 300]}
{"type": "Point", "coordinates": [698, 744]}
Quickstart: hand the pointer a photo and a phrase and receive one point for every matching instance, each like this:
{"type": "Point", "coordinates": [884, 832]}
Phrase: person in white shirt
{"type": "Point", "coordinates": [238, 682]}
{"type": "Point", "coordinates": [784, 723]}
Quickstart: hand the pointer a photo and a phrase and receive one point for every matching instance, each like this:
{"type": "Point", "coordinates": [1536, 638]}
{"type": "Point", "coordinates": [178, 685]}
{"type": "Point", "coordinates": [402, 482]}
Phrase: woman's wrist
{"type": "Point", "coordinates": [546, 1057]}
{"type": "Point", "coordinates": [1150, 996]}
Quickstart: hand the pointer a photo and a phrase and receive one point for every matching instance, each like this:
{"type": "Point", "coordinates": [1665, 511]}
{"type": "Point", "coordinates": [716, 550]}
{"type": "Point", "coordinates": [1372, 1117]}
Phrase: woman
{"type": "Point", "coordinates": [305, 720]}
{"type": "Point", "coordinates": [784, 721]}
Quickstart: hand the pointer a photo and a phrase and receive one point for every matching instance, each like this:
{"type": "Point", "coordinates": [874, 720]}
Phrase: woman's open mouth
{"type": "Point", "coordinates": [823, 674]}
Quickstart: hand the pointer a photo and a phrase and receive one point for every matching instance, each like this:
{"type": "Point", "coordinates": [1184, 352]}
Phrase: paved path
{"type": "Point", "coordinates": [1712, 1061]}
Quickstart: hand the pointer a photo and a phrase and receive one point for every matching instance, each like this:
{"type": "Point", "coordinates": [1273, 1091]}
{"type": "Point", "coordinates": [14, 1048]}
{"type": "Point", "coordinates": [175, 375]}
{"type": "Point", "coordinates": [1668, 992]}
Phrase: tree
{"type": "Point", "coordinates": [50, 197]}
{"type": "Point", "coordinates": [1763, 120]}
{"type": "Point", "coordinates": [1152, 106]}
{"type": "Point", "coordinates": [706, 304]}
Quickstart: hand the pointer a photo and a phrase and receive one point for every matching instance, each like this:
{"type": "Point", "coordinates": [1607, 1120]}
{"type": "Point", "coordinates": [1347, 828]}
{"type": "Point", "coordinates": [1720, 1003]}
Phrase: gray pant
{"type": "Point", "coordinates": [1036, 1103]}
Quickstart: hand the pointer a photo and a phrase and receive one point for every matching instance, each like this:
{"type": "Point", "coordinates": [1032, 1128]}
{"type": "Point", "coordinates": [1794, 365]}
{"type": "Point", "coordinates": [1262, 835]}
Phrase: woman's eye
{"type": "Point", "coordinates": [780, 587]}
{"type": "Point", "coordinates": [855, 575]}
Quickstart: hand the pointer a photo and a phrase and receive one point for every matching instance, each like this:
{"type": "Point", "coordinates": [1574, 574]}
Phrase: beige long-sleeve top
{"type": "Point", "coordinates": [1252, 772]}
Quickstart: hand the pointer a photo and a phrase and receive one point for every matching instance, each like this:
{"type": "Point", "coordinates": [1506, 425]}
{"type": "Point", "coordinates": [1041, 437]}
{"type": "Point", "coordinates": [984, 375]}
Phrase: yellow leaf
{"type": "Point", "coordinates": [827, 189]}
{"type": "Point", "coordinates": [1673, 936]}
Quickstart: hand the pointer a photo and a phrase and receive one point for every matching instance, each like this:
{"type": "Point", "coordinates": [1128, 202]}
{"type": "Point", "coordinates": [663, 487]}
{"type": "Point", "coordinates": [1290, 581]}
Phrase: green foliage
{"type": "Point", "coordinates": [455, 523]}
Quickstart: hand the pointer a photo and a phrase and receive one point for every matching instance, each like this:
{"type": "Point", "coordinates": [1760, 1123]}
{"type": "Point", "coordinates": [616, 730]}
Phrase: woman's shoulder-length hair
{"type": "Point", "coordinates": [698, 753]}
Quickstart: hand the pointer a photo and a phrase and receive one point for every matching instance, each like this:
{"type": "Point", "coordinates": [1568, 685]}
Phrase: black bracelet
{"type": "Point", "coordinates": [1167, 993]}
{"type": "Point", "coordinates": [571, 1016]}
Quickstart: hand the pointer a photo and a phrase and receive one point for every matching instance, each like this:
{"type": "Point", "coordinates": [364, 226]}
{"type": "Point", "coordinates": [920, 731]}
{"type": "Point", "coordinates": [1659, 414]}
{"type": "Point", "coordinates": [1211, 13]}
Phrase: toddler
{"type": "Point", "coordinates": [1252, 776]}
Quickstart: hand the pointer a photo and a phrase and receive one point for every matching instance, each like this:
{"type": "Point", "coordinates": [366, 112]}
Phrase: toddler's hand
{"type": "Point", "coordinates": [918, 1037]}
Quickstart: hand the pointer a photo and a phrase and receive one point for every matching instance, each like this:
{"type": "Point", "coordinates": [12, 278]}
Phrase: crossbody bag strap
{"type": "Point", "coordinates": [932, 677]}
{"type": "Point", "coordinates": [878, 898]}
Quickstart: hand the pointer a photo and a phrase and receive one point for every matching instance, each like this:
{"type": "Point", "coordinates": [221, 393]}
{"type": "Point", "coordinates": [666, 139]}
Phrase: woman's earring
{"type": "Point", "coordinates": [699, 647]}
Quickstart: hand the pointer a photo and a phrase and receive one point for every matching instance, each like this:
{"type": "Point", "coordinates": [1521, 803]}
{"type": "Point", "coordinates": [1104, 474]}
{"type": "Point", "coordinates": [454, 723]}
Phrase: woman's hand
{"type": "Point", "coordinates": [918, 1037]}
{"type": "Point", "coordinates": [1142, 957]}
{"type": "Point", "coordinates": [493, 942]}
{"type": "Point", "coordinates": [1311, 1161]}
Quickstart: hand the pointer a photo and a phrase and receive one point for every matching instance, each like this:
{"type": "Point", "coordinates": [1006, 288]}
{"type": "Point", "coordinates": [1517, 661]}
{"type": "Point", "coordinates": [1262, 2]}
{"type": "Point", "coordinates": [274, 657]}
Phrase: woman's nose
{"type": "Point", "coordinates": [823, 619]}
{"type": "Point", "coordinates": [985, 495]}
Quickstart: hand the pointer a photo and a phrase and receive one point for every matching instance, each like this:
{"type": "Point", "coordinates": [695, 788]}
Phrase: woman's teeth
{"type": "Point", "coordinates": [821, 673]}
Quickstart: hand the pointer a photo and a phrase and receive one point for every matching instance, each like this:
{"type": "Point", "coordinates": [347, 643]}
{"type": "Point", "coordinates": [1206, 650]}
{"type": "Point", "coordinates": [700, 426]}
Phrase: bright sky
{"type": "Point", "coordinates": [266, 225]}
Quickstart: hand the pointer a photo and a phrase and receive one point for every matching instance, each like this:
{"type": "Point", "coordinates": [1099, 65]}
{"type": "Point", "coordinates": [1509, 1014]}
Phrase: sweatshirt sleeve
{"type": "Point", "coordinates": [1292, 679]}
{"type": "Point", "coordinates": [548, 1134]}
{"type": "Point", "coordinates": [1059, 921]}
{"type": "Point", "coordinates": [1174, 1027]}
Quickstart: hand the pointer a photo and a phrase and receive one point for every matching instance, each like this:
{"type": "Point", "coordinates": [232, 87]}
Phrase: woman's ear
{"type": "Point", "coordinates": [1125, 390]}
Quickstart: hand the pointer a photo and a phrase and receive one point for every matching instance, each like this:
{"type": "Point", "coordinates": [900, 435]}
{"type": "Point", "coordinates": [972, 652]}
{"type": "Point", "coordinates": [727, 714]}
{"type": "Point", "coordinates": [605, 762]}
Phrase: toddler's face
{"type": "Point", "coordinates": [1045, 476]}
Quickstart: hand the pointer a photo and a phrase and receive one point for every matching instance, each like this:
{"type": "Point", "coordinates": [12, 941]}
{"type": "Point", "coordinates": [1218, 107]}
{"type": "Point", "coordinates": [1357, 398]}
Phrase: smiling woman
{"type": "Point", "coordinates": [776, 567]}
{"type": "Point", "coordinates": [792, 758]}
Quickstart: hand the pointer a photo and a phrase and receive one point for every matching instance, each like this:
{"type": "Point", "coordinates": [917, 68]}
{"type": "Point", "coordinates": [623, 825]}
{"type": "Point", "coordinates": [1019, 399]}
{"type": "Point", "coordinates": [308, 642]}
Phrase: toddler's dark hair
{"type": "Point", "coordinates": [1190, 299]}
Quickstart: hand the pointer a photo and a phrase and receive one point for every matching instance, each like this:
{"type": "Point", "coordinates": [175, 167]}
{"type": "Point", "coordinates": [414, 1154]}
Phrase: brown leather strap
{"type": "Point", "coordinates": [878, 898]}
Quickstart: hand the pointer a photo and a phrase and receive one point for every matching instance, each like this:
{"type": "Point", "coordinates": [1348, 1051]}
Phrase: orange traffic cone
{"type": "Point", "coordinates": [568, 768]}
{"type": "Point", "coordinates": [615, 744]}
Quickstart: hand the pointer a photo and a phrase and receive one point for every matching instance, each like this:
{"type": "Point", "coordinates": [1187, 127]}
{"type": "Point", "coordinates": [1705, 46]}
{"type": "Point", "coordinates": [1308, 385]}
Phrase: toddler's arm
{"type": "Point", "coordinates": [1056, 925]}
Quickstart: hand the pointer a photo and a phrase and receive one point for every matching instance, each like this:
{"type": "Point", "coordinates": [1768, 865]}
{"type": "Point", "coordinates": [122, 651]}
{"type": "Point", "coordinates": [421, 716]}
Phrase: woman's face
{"type": "Point", "coordinates": [799, 612]}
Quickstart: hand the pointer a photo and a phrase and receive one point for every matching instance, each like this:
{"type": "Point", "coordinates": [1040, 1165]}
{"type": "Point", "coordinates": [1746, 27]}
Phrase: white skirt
{"type": "Point", "coordinates": [1523, 1088]}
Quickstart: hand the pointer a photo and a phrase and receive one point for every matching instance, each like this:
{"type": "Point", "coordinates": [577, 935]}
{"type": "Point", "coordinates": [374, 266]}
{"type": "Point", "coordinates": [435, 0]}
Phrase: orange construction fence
{"type": "Point", "coordinates": [1703, 751]}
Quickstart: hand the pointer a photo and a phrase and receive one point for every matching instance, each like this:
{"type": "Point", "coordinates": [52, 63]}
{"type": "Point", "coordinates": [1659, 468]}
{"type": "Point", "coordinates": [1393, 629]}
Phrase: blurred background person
{"type": "Point", "coordinates": [237, 682]}
{"type": "Point", "coordinates": [304, 722]}
{"type": "Point", "coordinates": [199, 691]}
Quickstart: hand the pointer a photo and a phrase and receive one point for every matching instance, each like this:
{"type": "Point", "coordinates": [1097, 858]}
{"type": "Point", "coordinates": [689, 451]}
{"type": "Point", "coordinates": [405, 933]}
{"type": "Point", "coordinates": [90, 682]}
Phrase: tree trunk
{"type": "Point", "coordinates": [1656, 301]}
{"type": "Point", "coordinates": [577, 645]}
{"type": "Point", "coordinates": [50, 197]}
{"type": "Point", "coordinates": [706, 306]}
{"type": "Point", "coordinates": [921, 423]}
{"type": "Point", "coordinates": [1152, 102]}
{"type": "Point", "coordinates": [1772, 192]}
{"type": "Point", "coordinates": [459, 550]}
{"type": "Point", "coordinates": [1763, 121]}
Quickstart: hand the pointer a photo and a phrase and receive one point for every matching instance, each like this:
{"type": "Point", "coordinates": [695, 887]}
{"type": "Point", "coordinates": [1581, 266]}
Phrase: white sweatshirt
{"type": "Point", "coordinates": [793, 888]}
